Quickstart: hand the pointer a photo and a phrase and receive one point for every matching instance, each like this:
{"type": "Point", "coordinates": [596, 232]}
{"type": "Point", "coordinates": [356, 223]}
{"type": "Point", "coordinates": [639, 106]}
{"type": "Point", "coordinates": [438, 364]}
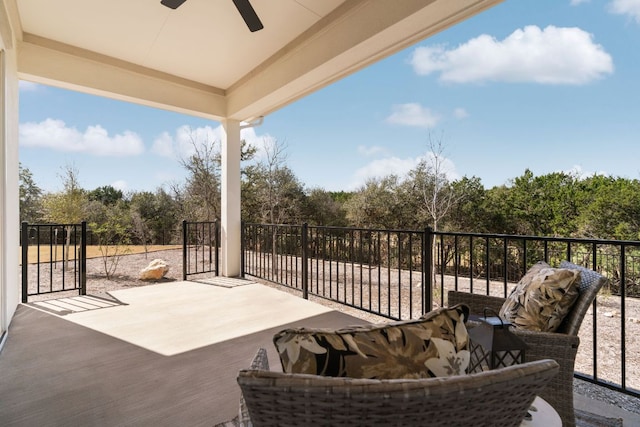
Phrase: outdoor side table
{"type": "Point", "coordinates": [542, 415]}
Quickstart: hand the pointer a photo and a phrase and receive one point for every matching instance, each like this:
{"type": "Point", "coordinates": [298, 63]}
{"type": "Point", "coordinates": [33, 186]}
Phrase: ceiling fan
{"type": "Point", "coordinates": [244, 7]}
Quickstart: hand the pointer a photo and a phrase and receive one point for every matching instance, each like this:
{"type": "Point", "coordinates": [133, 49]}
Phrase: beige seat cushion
{"type": "Point", "coordinates": [542, 298]}
{"type": "Point", "coordinates": [437, 344]}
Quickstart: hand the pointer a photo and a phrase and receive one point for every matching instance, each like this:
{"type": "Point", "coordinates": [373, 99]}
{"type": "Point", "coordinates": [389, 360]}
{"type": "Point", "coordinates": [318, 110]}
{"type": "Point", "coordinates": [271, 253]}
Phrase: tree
{"type": "Point", "coordinates": [30, 197]}
{"type": "Point", "coordinates": [381, 203]}
{"type": "Point", "coordinates": [469, 213]}
{"type": "Point", "coordinates": [497, 211]}
{"type": "Point", "coordinates": [66, 207]}
{"type": "Point", "coordinates": [543, 205]}
{"type": "Point", "coordinates": [430, 182]}
{"type": "Point", "coordinates": [613, 208]}
{"type": "Point", "coordinates": [112, 230]}
{"type": "Point", "coordinates": [272, 191]}
{"type": "Point", "coordinates": [200, 195]}
{"type": "Point", "coordinates": [202, 189]}
{"type": "Point", "coordinates": [143, 214]}
{"type": "Point", "coordinates": [159, 214]}
{"type": "Point", "coordinates": [167, 220]}
{"type": "Point", "coordinates": [325, 208]}
{"type": "Point", "coordinates": [140, 229]}
{"type": "Point", "coordinates": [107, 195]}
{"type": "Point", "coordinates": [436, 194]}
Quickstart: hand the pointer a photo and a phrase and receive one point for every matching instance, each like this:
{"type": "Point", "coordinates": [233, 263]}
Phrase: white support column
{"type": "Point", "coordinates": [230, 205]}
{"type": "Point", "coordinates": [9, 195]}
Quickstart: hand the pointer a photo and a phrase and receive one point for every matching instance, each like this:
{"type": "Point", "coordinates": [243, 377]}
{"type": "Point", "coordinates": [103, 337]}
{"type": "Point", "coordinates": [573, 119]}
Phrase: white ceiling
{"type": "Point", "coordinates": [202, 40]}
{"type": "Point", "coordinates": [202, 59]}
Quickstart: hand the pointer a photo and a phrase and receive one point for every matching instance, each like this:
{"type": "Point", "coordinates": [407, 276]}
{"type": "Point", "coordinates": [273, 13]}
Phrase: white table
{"type": "Point", "coordinates": [543, 415]}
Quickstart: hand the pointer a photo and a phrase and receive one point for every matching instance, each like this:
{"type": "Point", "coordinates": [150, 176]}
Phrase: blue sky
{"type": "Point", "coordinates": [548, 85]}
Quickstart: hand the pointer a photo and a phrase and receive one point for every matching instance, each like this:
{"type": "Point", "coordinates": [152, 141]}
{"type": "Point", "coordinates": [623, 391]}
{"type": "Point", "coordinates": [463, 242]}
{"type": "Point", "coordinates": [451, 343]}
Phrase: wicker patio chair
{"type": "Point", "coordinates": [561, 346]}
{"type": "Point", "coordinates": [494, 398]}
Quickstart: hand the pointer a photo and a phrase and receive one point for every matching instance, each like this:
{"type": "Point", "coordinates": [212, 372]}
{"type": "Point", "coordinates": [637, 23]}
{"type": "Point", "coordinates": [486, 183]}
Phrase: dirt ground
{"type": "Point", "coordinates": [609, 318]}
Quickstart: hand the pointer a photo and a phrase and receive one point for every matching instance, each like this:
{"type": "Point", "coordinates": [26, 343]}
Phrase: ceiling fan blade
{"type": "Point", "coordinates": [173, 4]}
{"type": "Point", "coordinates": [248, 14]}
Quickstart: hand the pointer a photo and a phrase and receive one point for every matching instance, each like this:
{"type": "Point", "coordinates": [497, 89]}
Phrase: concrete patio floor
{"type": "Point", "coordinates": [164, 354]}
{"type": "Point", "coordinates": [176, 317]}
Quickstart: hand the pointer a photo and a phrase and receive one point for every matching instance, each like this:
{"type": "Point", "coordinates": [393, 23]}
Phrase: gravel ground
{"type": "Point", "coordinates": [609, 318]}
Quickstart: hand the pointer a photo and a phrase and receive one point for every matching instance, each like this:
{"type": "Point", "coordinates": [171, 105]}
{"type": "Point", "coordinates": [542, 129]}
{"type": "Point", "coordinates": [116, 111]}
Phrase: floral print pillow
{"type": "Point", "coordinates": [542, 298]}
{"type": "Point", "coordinates": [436, 344]}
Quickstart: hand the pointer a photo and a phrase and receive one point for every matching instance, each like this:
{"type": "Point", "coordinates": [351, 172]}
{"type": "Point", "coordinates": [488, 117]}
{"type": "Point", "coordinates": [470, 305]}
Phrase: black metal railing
{"type": "Point", "coordinates": [200, 248]}
{"type": "Point", "coordinates": [401, 274]}
{"type": "Point", "coordinates": [60, 260]}
{"type": "Point", "coordinates": [397, 274]}
{"type": "Point", "coordinates": [378, 271]}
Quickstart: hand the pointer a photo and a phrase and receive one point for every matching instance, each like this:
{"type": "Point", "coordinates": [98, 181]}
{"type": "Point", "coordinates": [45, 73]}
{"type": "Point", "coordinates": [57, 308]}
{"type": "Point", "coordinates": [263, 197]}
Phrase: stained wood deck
{"type": "Point", "coordinates": [168, 356]}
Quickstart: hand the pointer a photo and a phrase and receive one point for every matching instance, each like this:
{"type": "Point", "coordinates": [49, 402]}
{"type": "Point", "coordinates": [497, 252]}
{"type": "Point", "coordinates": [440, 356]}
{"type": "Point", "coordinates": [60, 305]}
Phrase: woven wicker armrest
{"type": "Point", "coordinates": [476, 303]}
{"type": "Point", "coordinates": [499, 397]}
{"type": "Point", "coordinates": [563, 349]}
{"type": "Point", "coordinates": [260, 362]}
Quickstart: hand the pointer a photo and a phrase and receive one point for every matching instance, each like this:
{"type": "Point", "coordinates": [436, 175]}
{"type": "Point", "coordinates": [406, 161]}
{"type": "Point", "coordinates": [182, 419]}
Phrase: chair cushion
{"type": "Point", "coordinates": [588, 278]}
{"type": "Point", "coordinates": [542, 298]}
{"type": "Point", "coordinates": [436, 344]}
{"type": "Point", "coordinates": [590, 284]}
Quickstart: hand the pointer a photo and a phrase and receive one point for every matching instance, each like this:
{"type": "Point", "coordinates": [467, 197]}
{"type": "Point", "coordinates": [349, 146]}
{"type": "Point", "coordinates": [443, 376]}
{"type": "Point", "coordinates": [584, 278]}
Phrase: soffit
{"type": "Point", "coordinates": [202, 59]}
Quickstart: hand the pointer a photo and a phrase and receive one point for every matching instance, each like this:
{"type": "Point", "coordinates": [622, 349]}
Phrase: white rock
{"type": "Point", "coordinates": [156, 269]}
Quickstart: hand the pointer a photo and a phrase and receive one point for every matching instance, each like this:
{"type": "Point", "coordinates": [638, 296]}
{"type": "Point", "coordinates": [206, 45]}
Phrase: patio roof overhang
{"type": "Point", "coordinates": [199, 59]}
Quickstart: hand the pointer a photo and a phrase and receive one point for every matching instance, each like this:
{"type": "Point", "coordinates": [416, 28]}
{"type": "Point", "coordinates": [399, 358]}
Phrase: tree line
{"type": "Point", "coordinates": [555, 204]}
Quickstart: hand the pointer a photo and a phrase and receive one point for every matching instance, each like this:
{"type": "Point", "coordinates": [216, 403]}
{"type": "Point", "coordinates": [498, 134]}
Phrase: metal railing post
{"type": "Point", "coordinates": [428, 268]}
{"type": "Point", "coordinates": [217, 240]}
{"type": "Point", "coordinates": [184, 249]}
{"type": "Point", "coordinates": [83, 259]}
{"type": "Point", "coordinates": [25, 261]}
{"type": "Point", "coordinates": [242, 248]}
{"type": "Point", "coordinates": [623, 331]}
{"type": "Point", "coordinates": [305, 259]}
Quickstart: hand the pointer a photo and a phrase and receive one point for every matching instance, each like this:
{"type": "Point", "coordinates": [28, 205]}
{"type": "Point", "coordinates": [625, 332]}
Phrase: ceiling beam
{"type": "Point", "coordinates": [8, 22]}
{"type": "Point", "coordinates": [46, 61]}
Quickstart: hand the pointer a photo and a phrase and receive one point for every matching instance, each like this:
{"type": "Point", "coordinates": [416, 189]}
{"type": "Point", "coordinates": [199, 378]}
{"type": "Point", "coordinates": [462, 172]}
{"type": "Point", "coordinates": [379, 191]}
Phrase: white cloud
{"type": "Point", "coordinates": [413, 114]}
{"type": "Point", "coordinates": [26, 86]}
{"type": "Point", "coordinates": [460, 113]}
{"type": "Point", "coordinates": [381, 168]}
{"type": "Point", "coordinates": [446, 166]}
{"type": "Point", "coordinates": [550, 56]}
{"type": "Point", "coordinates": [579, 173]}
{"type": "Point", "coordinates": [626, 7]}
{"type": "Point", "coordinates": [578, 2]}
{"type": "Point", "coordinates": [185, 140]}
{"type": "Point", "coordinates": [181, 144]}
{"type": "Point", "coordinates": [95, 140]}
{"type": "Point", "coordinates": [166, 176]}
{"type": "Point", "coordinates": [371, 151]}
{"type": "Point", "coordinates": [259, 142]}
{"type": "Point", "coordinates": [163, 145]}
{"type": "Point", "coordinates": [120, 185]}
{"type": "Point", "coordinates": [188, 139]}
